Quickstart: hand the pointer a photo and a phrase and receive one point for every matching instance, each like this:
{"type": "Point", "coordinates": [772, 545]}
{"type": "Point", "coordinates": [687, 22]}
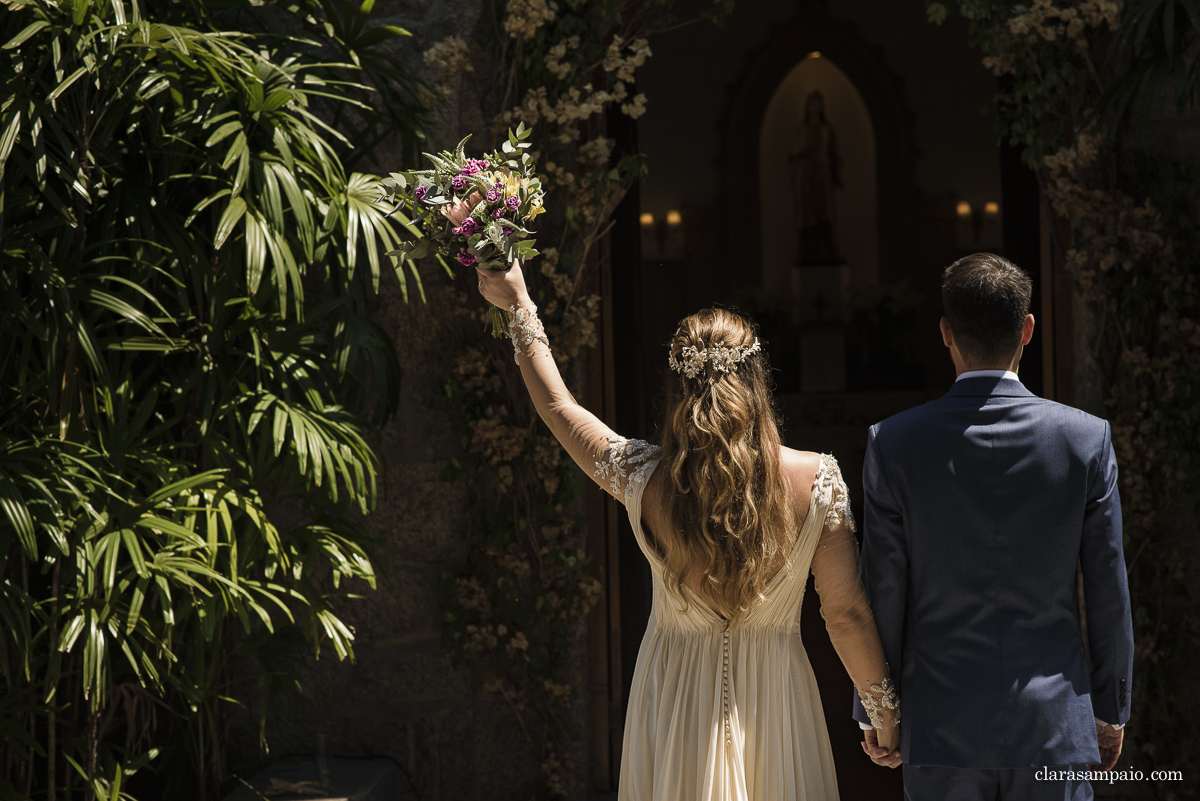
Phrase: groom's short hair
{"type": "Point", "coordinates": [986, 298]}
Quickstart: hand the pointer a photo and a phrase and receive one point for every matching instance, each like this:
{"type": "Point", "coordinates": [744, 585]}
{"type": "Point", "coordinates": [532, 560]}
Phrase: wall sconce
{"type": "Point", "coordinates": [662, 237]}
{"type": "Point", "coordinates": [668, 227]}
{"type": "Point", "coordinates": [977, 224]}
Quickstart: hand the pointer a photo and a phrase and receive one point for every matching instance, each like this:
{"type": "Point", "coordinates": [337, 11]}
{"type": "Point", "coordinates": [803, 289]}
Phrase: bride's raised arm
{"type": "Point", "coordinates": [847, 612]}
{"type": "Point", "coordinates": [599, 451]}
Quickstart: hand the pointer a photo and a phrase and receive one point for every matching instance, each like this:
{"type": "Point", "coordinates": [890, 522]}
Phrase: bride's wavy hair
{"type": "Point", "coordinates": [726, 494]}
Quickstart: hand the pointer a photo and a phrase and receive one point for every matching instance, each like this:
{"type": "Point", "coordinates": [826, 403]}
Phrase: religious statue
{"type": "Point", "coordinates": [815, 174]}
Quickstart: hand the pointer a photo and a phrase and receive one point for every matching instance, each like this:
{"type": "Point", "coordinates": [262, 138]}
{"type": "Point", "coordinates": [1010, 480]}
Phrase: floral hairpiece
{"type": "Point", "coordinates": [692, 360]}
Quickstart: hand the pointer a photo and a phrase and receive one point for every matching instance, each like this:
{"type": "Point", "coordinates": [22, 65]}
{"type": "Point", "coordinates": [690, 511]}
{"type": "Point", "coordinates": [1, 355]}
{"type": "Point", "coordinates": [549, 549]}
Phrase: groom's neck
{"type": "Point", "coordinates": [961, 366]}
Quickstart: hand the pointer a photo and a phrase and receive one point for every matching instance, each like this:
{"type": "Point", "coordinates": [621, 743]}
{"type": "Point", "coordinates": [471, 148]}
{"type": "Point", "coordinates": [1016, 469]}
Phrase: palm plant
{"type": "Point", "coordinates": [184, 263]}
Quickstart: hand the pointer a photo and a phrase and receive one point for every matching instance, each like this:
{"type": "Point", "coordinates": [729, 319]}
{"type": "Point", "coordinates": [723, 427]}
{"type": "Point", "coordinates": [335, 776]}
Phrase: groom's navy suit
{"type": "Point", "coordinates": [978, 508]}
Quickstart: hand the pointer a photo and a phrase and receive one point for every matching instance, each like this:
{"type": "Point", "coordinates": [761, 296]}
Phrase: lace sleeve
{"type": "Point", "coordinates": [624, 465]}
{"type": "Point", "coordinates": [832, 488]}
{"type": "Point", "coordinates": [844, 603]}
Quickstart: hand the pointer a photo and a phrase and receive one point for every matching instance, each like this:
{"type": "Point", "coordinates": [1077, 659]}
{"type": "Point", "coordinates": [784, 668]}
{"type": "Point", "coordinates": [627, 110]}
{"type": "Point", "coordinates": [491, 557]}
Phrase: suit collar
{"type": "Point", "coordinates": [986, 386]}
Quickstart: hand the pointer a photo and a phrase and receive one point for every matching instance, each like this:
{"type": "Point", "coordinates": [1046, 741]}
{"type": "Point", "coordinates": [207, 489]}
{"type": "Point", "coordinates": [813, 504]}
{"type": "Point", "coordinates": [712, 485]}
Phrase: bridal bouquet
{"type": "Point", "coordinates": [477, 211]}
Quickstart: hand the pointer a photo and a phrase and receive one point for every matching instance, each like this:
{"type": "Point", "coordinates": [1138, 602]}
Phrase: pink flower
{"type": "Point", "coordinates": [512, 202]}
{"type": "Point", "coordinates": [459, 210]}
{"type": "Point", "coordinates": [465, 259]}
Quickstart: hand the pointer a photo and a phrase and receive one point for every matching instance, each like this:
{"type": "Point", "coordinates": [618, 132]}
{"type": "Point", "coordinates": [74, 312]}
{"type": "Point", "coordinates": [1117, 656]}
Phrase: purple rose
{"type": "Point", "coordinates": [469, 168]}
{"type": "Point", "coordinates": [493, 194]}
{"type": "Point", "coordinates": [420, 192]}
{"type": "Point", "coordinates": [498, 213]}
{"type": "Point", "coordinates": [465, 259]}
{"type": "Point", "coordinates": [512, 202]}
{"type": "Point", "coordinates": [506, 230]}
{"type": "Point", "coordinates": [458, 183]}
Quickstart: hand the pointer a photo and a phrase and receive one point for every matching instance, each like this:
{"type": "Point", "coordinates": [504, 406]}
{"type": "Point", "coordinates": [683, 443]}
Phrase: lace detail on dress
{"type": "Point", "coordinates": [524, 327]}
{"type": "Point", "coordinates": [887, 700]}
{"type": "Point", "coordinates": [625, 459]}
{"type": "Point", "coordinates": [832, 489]}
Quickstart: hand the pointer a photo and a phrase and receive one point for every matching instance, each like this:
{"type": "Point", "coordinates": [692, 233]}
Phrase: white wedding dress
{"type": "Point", "coordinates": [733, 714]}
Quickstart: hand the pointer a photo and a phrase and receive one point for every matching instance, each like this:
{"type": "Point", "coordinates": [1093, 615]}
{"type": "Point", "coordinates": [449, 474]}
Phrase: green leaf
{"type": "Point", "coordinates": [133, 547]}
{"type": "Point", "coordinates": [27, 32]}
{"type": "Point", "coordinates": [207, 478]}
{"type": "Point", "coordinates": [170, 528]}
{"type": "Point", "coordinates": [70, 633]}
{"type": "Point", "coordinates": [222, 132]}
{"type": "Point", "coordinates": [65, 84]}
{"type": "Point", "coordinates": [256, 251]}
{"type": "Point", "coordinates": [233, 213]}
{"type": "Point", "coordinates": [9, 137]}
{"type": "Point", "coordinates": [18, 516]}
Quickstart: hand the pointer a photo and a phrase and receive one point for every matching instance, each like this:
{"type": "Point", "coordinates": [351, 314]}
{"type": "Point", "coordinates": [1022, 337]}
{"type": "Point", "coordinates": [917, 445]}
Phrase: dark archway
{"type": "Point", "coordinates": [814, 30]}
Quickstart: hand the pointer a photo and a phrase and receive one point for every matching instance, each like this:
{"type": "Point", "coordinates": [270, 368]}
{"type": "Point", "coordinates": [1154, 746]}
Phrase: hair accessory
{"type": "Point", "coordinates": [692, 360]}
{"type": "Point", "coordinates": [524, 327]}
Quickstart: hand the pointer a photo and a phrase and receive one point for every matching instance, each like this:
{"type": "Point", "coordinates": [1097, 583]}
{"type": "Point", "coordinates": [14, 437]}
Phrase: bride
{"type": "Point", "coordinates": [723, 705]}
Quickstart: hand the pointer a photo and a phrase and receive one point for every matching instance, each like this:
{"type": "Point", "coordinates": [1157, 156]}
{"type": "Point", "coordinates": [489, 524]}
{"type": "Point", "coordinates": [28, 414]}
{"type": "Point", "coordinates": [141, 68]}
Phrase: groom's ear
{"type": "Point", "coordinates": [948, 334]}
{"type": "Point", "coordinates": [1027, 331]}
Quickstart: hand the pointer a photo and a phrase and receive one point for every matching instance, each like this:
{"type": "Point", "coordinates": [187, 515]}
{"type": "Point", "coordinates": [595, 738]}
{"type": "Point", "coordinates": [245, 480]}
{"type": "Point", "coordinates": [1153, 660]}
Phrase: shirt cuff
{"type": "Point", "coordinates": [864, 726]}
{"type": "Point", "coordinates": [1117, 726]}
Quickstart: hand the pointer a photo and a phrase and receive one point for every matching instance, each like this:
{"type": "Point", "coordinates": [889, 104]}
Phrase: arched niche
{"type": "Point", "coordinates": [816, 135]}
{"type": "Point", "coordinates": [766, 70]}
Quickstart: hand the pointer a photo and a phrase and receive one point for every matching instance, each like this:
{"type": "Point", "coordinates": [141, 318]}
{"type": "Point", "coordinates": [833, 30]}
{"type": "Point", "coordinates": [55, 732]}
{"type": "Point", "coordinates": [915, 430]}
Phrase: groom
{"type": "Point", "coordinates": [978, 508]}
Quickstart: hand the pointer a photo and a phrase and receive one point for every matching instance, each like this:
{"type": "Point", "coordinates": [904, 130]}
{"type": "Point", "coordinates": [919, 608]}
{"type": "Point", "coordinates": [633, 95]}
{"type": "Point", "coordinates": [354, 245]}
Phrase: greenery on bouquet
{"type": "Point", "coordinates": [477, 211]}
{"type": "Point", "coordinates": [1091, 91]}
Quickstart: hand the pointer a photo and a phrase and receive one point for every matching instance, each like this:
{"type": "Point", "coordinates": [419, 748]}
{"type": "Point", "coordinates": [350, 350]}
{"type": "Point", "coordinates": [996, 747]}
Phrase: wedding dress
{"type": "Point", "coordinates": [732, 713]}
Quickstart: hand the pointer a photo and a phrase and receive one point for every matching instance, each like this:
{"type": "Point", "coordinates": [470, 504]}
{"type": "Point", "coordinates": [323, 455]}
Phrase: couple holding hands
{"type": "Point", "coordinates": [990, 594]}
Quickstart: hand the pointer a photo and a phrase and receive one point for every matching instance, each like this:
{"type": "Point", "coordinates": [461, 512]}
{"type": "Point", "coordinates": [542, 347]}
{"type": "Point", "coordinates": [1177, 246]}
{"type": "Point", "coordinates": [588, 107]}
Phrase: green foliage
{"type": "Point", "coordinates": [1155, 69]}
{"type": "Point", "coordinates": [184, 265]}
{"type": "Point", "coordinates": [1047, 86]}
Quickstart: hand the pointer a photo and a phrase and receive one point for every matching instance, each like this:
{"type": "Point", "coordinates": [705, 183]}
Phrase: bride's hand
{"type": "Point", "coordinates": [504, 288]}
{"type": "Point", "coordinates": [889, 736]}
{"type": "Point", "coordinates": [457, 211]}
{"type": "Point", "coordinates": [883, 745]}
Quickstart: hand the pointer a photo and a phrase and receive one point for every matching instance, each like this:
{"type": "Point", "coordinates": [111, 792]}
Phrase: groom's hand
{"type": "Point", "coordinates": [1110, 741]}
{"type": "Point", "coordinates": [880, 755]}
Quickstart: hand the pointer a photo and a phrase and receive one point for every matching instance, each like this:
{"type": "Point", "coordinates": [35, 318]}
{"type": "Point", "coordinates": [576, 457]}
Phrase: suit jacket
{"type": "Point", "coordinates": [978, 508]}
